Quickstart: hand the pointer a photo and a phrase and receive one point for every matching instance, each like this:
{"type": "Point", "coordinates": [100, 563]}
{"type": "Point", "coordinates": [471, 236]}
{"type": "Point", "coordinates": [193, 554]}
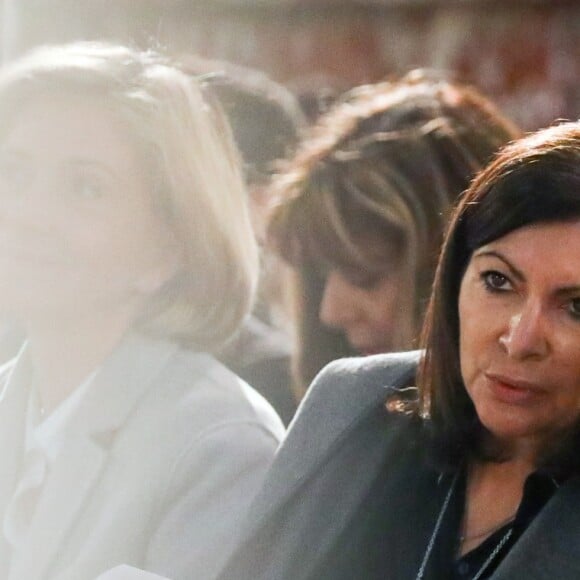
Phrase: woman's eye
{"type": "Point", "coordinates": [574, 307]}
{"type": "Point", "coordinates": [87, 187]}
{"type": "Point", "coordinates": [496, 281]}
{"type": "Point", "coordinates": [364, 280]}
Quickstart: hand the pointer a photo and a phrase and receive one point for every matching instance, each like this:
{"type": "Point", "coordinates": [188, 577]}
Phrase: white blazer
{"type": "Point", "coordinates": [166, 451]}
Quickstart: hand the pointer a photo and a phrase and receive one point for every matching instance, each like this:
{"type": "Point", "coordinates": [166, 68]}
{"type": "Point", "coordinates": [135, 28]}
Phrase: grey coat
{"type": "Point", "coordinates": [321, 476]}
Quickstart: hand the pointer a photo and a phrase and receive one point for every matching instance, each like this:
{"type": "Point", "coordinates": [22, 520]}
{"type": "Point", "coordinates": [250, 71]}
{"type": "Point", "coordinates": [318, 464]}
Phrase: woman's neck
{"type": "Point", "coordinates": [509, 474]}
{"type": "Point", "coordinates": [493, 495]}
{"type": "Point", "coordinates": [64, 353]}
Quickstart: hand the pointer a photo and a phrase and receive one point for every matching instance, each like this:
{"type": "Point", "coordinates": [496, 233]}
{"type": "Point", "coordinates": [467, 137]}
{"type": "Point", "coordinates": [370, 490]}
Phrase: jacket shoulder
{"type": "Point", "coordinates": [341, 396]}
{"type": "Point", "coordinates": [347, 388]}
{"type": "Point", "coordinates": [195, 395]}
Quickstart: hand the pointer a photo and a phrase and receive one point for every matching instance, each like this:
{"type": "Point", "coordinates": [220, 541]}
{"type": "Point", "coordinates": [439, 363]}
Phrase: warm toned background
{"type": "Point", "coordinates": [525, 53]}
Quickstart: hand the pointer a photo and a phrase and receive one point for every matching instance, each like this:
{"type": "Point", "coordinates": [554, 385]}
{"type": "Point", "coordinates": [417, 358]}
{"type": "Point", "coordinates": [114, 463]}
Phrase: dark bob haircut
{"type": "Point", "coordinates": [535, 179]}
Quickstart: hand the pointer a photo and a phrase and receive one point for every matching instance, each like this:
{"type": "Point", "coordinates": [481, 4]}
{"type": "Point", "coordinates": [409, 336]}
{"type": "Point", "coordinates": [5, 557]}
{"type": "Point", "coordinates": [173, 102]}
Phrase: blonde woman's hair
{"type": "Point", "coordinates": [193, 168]}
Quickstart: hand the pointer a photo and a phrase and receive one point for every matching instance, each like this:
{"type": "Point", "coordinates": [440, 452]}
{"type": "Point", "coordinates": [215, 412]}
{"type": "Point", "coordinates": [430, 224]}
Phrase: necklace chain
{"type": "Point", "coordinates": [495, 552]}
{"type": "Point", "coordinates": [431, 543]}
{"type": "Point", "coordinates": [488, 531]}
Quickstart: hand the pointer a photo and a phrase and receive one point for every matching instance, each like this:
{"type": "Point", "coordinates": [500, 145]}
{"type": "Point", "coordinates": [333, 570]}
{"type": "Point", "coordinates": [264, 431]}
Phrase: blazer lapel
{"type": "Point", "coordinates": [305, 451]}
{"type": "Point", "coordinates": [342, 482]}
{"type": "Point", "coordinates": [70, 480]}
{"type": "Point", "coordinates": [338, 462]}
{"type": "Point", "coordinates": [119, 385]}
{"type": "Point", "coordinates": [13, 404]}
{"type": "Point", "coordinates": [550, 547]}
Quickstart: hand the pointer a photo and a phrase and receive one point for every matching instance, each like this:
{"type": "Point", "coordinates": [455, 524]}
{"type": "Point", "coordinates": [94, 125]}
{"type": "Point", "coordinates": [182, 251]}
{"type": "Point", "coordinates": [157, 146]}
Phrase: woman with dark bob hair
{"type": "Point", "coordinates": [469, 469]}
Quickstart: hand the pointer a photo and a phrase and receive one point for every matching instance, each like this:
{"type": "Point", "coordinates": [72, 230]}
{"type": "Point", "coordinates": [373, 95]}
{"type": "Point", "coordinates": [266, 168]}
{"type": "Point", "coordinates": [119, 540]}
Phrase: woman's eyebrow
{"type": "Point", "coordinates": [495, 254]}
{"type": "Point", "coordinates": [95, 165]}
{"type": "Point", "coordinates": [90, 163]}
{"type": "Point", "coordinates": [568, 291]}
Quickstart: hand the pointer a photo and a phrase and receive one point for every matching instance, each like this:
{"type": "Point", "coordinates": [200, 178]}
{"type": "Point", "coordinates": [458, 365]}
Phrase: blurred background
{"type": "Point", "coordinates": [523, 53]}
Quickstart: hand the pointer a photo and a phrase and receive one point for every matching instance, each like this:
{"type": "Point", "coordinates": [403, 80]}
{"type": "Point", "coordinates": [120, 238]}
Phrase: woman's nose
{"type": "Point", "coordinates": [526, 335]}
{"type": "Point", "coordinates": [338, 304]}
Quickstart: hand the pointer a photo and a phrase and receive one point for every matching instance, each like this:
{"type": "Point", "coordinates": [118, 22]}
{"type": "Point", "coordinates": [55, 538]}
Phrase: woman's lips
{"type": "Point", "coordinates": [513, 391]}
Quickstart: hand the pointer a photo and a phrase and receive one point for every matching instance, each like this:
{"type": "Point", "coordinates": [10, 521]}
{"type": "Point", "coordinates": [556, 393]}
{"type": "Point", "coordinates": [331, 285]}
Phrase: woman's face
{"type": "Point", "coordinates": [376, 313]}
{"type": "Point", "coordinates": [519, 313]}
{"type": "Point", "coordinates": [79, 233]}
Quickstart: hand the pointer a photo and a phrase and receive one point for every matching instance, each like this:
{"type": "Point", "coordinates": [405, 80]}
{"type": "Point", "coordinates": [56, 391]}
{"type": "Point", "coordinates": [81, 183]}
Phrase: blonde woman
{"type": "Point", "coordinates": [127, 255]}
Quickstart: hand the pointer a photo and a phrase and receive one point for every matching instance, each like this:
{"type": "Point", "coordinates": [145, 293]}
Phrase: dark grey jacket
{"type": "Point", "coordinates": [322, 473]}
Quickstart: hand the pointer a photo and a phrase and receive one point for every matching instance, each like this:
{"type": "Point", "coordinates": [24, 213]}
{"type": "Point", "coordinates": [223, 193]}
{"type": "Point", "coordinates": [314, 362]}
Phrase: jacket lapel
{"type": "Point", "coordinates": [326, 416]}
{"type": "Point", "coordinates": [550, 547]}
{"type": "Point", "coordinates": [359, 456]}
{"type": "Point", "coordinates": [119, 385]}
{"type": "Point", "coordinates": [80, 462]}
{"type": "Point", "coordinates": [13, 404]}
{"type": "Point", "coordinates": [315, 455]}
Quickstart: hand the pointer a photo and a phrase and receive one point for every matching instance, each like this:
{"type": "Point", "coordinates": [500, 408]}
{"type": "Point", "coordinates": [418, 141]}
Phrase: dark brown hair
{"type": "Point", "coordinates": [535, 179]}
{"type": "Point", "coordinates": [265, 117]}
{"type": "Point", "coordinates": [385, 164]}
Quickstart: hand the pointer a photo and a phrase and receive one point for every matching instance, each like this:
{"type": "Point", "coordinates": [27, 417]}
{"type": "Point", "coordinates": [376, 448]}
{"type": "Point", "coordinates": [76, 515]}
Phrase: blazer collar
{"type": "Point", "coordinates": [122, 381]}
{"type": "Point", "coordinates": [125, 376]}
{"type": "Point", "coordinates": [550, 547]}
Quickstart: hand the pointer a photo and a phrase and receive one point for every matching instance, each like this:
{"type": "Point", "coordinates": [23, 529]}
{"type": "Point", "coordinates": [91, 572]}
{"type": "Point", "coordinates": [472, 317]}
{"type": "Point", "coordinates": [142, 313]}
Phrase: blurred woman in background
{"type": "Point", "coordinates": [362, 205]}
{"type": "Point", "coordinates": [127, 254]}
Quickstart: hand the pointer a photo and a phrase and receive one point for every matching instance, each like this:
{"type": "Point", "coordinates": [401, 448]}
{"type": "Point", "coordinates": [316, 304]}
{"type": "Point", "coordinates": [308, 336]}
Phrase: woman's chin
{"type": "Point", "coordinates": [514, 434]}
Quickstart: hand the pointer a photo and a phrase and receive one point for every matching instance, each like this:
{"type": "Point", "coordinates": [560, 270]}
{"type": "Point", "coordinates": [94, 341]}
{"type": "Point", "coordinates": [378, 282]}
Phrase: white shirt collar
{"type": "Point", "coordinates": [48, 434]}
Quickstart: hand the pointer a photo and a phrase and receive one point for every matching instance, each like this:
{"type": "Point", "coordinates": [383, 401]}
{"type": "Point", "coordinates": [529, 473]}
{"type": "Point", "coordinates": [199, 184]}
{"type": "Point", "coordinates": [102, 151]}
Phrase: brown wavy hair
{"type": "Point", "coordinates": [386, 162]}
